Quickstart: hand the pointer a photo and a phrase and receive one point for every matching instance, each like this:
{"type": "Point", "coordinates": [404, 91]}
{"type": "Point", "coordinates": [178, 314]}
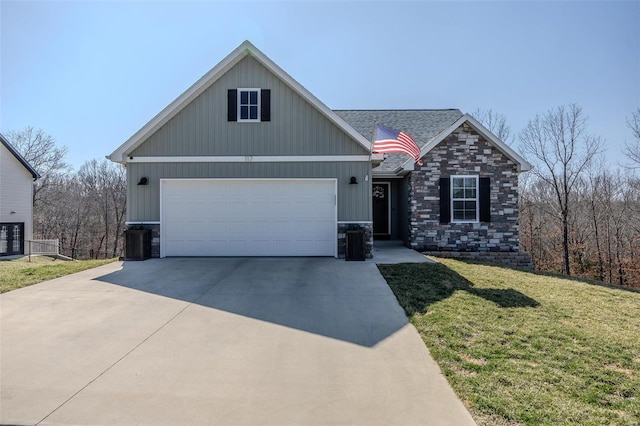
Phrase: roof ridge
{"type": "Point", "coordinates": [402, 109]}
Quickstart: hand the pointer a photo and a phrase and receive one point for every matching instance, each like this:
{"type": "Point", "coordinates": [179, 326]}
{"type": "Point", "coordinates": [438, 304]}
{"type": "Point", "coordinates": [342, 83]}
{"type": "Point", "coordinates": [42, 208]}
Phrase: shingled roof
{"type": "Point", "coordinates": [422, 124]}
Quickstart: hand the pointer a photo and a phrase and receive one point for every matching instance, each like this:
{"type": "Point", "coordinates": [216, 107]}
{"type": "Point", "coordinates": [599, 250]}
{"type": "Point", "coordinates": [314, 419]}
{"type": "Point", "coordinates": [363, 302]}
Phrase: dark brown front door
{"type": "Point", "coordinates": [11, 238]}
{"type": "Point", "coordinates": [381, 198]}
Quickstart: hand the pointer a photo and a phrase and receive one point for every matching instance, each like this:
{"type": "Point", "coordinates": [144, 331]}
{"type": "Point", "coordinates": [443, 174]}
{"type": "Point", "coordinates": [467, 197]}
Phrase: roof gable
{"type": "Point", "coordinates": [422, 124]}
{"type": "Point", "coordinates": [521, 163]}
{"type": "Point", "coordinates": [244, 50]}
{"type": "Point", "coordinates": [202, 129]}
{"type": "Point", "coordinates": [19, 157]}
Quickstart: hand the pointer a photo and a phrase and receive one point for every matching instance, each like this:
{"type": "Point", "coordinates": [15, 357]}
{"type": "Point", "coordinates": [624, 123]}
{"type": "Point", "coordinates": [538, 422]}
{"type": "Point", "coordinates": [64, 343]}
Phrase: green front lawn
{"type": "Point", "coordinates": [525, 348]}
{"type": "Point", "coordinates": [19, 273]}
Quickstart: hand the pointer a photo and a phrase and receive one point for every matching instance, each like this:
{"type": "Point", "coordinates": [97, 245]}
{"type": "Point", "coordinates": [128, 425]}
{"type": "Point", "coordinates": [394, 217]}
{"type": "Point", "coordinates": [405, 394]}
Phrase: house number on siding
{"type": "Point", "coordinates": [248, 158]}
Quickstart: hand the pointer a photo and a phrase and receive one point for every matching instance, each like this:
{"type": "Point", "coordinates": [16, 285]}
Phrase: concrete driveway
{"type": "Point", "coordinates": [235, 341]}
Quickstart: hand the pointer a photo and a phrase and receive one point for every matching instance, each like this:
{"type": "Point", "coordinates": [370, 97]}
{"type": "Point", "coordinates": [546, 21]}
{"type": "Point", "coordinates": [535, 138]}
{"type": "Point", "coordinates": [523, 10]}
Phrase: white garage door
{"type": "Point", "coordinates": [248, 217]}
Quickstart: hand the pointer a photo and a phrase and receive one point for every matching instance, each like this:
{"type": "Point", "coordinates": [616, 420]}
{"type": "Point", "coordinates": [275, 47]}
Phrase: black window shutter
{"type": "Point", "coordinates": [232, 105]}
{"type": "Point", "coordinates": [485, 199]}
{"type": "Point", "coordinates": [265, 105]}
{"type": "Point", "coordinates": [445, 200]}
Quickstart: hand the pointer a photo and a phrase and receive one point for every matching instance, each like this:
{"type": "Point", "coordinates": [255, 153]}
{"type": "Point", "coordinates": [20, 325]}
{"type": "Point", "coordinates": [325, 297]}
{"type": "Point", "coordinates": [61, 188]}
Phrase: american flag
{"type": "Point", "coordinates": [388, 140]}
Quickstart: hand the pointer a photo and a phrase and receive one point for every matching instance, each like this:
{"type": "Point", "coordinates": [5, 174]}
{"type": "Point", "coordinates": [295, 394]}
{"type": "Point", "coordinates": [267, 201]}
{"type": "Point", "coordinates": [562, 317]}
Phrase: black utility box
{"type": "Point", "coordinates": [355, 245]}
{"type": "Point", "coordinates": [137, 244]}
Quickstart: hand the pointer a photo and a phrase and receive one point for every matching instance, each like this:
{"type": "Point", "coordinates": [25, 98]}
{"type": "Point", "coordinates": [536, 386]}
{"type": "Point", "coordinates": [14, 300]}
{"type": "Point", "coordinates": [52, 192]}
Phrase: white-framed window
{"type": "Point", "coordinates": [249, 105]}
{"type": "Point", "coordinates": [464, 199]}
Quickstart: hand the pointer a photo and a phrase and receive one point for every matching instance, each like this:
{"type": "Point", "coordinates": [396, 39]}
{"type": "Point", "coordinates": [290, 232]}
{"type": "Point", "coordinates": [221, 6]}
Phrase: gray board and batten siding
{"type": "Point", "coordinates": [296, 128]}
{"type": "Point", "coordinates": [353, 200]}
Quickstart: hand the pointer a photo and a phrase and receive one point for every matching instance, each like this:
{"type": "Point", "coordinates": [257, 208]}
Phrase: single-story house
{"type": "Point", "coordinates": [16, 200]}
{"type": "Point", "coordinates": [247, 162]}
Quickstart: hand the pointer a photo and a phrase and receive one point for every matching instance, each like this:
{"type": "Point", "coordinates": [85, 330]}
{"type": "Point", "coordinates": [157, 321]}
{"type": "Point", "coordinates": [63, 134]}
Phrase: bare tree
{"type": "Point", "coordinates": [596, 176]}
{"type": "Point", "coordinates": [118, 190]}
{"type": "Point", "coordinates": [632, 150]}
{"type": "Point", "coordinates": [562, 149]}
{"type": "Point", "coordinates": [41, 151]}
{"type": "Point", "coordinates": [496, 122]}
{"type": "Point", "coordinates": [603, 222]}
{"type": "Point", "coordinates": [104, 186]}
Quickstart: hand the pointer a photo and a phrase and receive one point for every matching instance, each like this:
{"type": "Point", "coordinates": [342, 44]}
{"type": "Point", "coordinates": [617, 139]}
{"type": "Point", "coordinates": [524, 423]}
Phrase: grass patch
{"type": "Point", "coordinates": [524, 348]}
{"type": "Point", "coordinates": [18, 273]}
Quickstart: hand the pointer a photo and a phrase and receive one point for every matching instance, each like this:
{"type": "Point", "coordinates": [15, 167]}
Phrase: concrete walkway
{"type": "Point", "coordinates": [392, 252]}
{"type": "Point", "coordinates": [238, 341]}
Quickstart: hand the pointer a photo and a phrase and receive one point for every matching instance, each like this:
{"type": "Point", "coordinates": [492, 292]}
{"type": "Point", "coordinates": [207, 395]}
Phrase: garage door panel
{"type": "Point", "coordinates": [248, 218]}
{"type": "Point", "coordinates": [276, 208]}
{"type": "Point", "coordinates": [237, 208]}
{"type": "Point", "coordinates": [309, 229]}
{"type": "Point", "coordinates": [173, 207]}
{"type": "Point", "coordinates": [192, 229]}
{"type": "Point", "coordinates": [174, 228]}
{"type": "Point", "coordinates": [195, 207]}
{"type": "Point", "coordinates": [219, 209]}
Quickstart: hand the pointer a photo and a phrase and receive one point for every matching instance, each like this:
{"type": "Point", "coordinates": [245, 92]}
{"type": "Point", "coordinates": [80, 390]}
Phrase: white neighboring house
{"type": "Point", "coordinates": [16, 200]}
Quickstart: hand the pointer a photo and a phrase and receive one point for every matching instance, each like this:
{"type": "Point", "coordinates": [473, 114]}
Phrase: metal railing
{"type": "Point", "coordinates": [44, 247]}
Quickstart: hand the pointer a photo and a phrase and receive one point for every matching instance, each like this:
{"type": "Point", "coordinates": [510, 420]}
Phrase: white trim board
{"type": "Point", "coordinates": [386, 176]}
{"type": "Point", "coordinates": [250, 178]}
{"type": "Point", "coordinates": [343, 222]}
{"type": "Point", "coordinates": [251, 159]}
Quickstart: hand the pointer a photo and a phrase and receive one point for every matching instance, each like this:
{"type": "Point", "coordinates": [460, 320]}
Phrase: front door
{"type": "Point", "coordinates": [381, 210]}
{"type": "Point", "coordinates": [11, 238]}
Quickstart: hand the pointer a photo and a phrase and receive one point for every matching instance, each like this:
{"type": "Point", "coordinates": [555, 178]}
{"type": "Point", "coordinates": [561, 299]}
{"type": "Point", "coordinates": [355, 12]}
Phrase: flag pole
{"type": "Point", "coordinates": [373, 139]}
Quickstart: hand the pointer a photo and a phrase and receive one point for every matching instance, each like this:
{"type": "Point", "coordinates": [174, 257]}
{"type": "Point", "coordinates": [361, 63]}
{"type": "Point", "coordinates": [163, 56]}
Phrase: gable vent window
{"type": "Point", "coordinates": [249, 105]}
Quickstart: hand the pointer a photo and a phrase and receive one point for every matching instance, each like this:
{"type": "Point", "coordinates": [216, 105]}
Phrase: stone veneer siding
{"type": "Point", "coordinates": [342, 228]}
{"type": "Point", "coordinates": [368, 238]}
{"type": "Point", "coordinates": [521, 259]}
{"type": "Point", "coordinates": [464, 152]}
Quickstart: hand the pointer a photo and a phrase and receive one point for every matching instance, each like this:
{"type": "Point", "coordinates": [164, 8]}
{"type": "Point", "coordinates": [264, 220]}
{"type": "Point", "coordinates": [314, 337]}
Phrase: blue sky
{"type": "Point", "coordinates": [92, 73]}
